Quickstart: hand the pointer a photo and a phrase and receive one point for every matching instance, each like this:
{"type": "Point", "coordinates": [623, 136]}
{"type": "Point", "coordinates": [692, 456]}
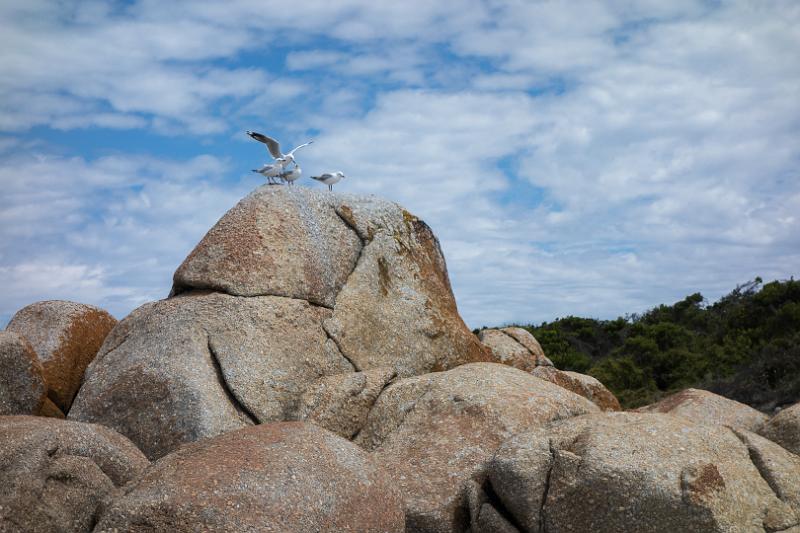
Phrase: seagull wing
{"type": "Point", "coordinates": [322, 177]}
{"type": "Point", "coordinates": [298, 147]}
{"type": "Point", "coordinates": [272, 145]}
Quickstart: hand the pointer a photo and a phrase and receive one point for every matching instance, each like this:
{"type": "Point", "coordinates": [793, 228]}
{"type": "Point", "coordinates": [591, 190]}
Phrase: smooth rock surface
{"type": "Point", "coordinates": [22, 388]}
{"type": "Point", "coordinates": [784, 428]}
{"type": "Point", "coordinates": [586, 386]}
{"type": "Point", "coordinates": [66, 336]}
{"type": "Point", "coordinates": [59, 476]}
{"type": "Point", "coordinates": [435, 432]}
{"type": "Point", "coordinates": [704, 406]}
{"type": "Point", "coordinates": [638, 472]}
{"type": "Point", "coordinates": [280, 477]}
{"type": "Point", "coordinates": [514, 347]}
{"type": "Point", "coordinates": [195, 366]}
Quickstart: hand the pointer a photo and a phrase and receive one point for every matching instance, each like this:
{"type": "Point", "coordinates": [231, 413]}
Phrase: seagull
{"type": "Point", "coordinates": [270, 171]}
{"type": "Point", "coordinates": [330, 178]}
{"type": "Point", "coordinates": [275, 148]}
{"type": "Point", "coordinates": [292, 175]}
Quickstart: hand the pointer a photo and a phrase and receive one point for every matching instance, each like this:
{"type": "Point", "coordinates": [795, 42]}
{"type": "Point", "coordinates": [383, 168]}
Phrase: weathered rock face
{"type": "Point", "coordinates": [436, 431]}
{"type": "Point", "coordinates": [639, 473]}
{"type": "Point", "coordinates": [703, 406]}
{"type": "Point", "coordinates": [514, 347]}
{"type": "Point", "coordinates": [22, 388]}
{"type": "Point", "coordinates": [586, 386]}
{"type": "Point", "coordinates": [341, 403]}
{"type": "Point", "coordinates": [320, 284]}
{"type": "Point", "coordinates": [379, 268]}
{"type": "Point", "coordinates": [784, 428]}
{"type": "Point", "coordinates": [59, 476]}
{"type": "Point", "coordinates": [195, 366]}
{"type": "Point", "coordinates": [275, 242]}
{"type": "Point", "coordinates": [66, 337]}
{"type": "Point", "coordinates": [281, 477]}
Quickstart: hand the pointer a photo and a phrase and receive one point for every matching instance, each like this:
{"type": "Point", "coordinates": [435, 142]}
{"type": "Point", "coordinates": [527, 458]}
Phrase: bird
{"type": "Point", "coordinates": [292, 175]}
{"type": "Point", "coordinates": [329, 178]}
{"type": "Point", "coordinates": [274, 148]}
{"type": "Point", "coordinates": [270, 171]}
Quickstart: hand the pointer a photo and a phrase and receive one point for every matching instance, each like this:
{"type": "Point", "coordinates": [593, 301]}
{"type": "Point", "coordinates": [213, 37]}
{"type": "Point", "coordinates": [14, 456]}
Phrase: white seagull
{"type": "Point", "coordinates": [275, 148]}
{"type": "Point", "coordinates": [270, 171]}
{"type": "Point", "coordinates": [292, 175]}
{"type": "Point", "coordinates": [329, 178]}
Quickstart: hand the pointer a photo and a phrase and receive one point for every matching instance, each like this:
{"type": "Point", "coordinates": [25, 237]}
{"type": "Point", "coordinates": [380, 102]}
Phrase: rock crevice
{"type": "Point", "coordinates": [229, 392]}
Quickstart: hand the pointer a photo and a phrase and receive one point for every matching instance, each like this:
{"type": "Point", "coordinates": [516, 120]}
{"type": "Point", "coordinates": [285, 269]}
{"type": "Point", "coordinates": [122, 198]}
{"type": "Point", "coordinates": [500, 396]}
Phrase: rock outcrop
{"type": "Point", "coordinates": [291, 287]}
{"type": "Point", "coordinates": [201, 364]}
{"type": "Point", "coordinates": [66, 337]}
{"type": "Point", "coordinates": [638, 473]}
{"type": "Point", "coordinates": [514, 347]}
{"type": "Point", "coordinates": [586, 386]}
{"type": "Point", "coordinates": [704, 406]}
{"type": "Point", "coordinates": [436, 431]}
{"type": "Point", "coordinates": [784, 428]}
{"type": "Point", "coordinates": [57, 475]}
{"type": "Point", "coordinates": [282, 477]}
{"type": "Point", "coordinates": [22, 388]}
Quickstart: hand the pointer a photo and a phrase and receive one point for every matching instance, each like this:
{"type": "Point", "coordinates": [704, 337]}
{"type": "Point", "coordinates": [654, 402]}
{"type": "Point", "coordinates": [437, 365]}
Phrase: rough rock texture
{"type": "Point", "coordinates": [586, 386]}
{"type": "Point", "coordinates": [514, 347]}
{"type": "Point", "coordinates": [703, 406]}
{"type": "Point", "coordinates": [276, 241]}
{"type": "Point", "coordinates": [342, 402]}
{"type": "Point", "coordinates": [66, 336]}
{"type": "Point", "coordinates": [58, 476]}
{"type": "Point", "coordinates": [22, 388]}
{"type": "Point", "coordinates": [436, 431]}
{"type": "Point", "coordinates": [638, 472]}
{"type": "Point", "coordinates": [194, 366]}
{"type": "Point", "coordinates": [281, 477]}
{"type": "Point", "coordinates": [377, 266]}
{"type": "Point", "coordinates": [784, 428]}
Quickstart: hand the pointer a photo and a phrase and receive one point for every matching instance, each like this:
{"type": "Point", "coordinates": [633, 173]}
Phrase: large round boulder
{"type": "Point", "coordinates": [22, 388]}
{"type": "Point", "coordinates": [197, 365]}
{"type": "Point", "coordinates": [704, 406]}
{"type": "Point", "coordinates": [59, 476]}
{"type": "Point", "coordinates": [586, 386]}
{"type": "Point", "coordinates": [376, 266]}
{"type": "Point", "coordinates": [66, 337]}
{"type": "Point", "coordinates": [784, 428]}
{"type": "Point", "coordinates": [515, 347]}
{"type": "Point", "coordinates": [281, 477]}
{"type": "Point", "coordinates": [638, 472]}
{"type": "Point", "coordinates": [436, 432]}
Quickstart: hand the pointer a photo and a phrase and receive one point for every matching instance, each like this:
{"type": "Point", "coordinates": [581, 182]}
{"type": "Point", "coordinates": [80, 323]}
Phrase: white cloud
{"type": "Point", "coordinates": [587, 158]}
{"type": "Point", "coordinates": [109, 232]}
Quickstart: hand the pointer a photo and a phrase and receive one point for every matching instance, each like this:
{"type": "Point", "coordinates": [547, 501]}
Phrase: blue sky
{"type": "Point", "coordinates": [586, 158]}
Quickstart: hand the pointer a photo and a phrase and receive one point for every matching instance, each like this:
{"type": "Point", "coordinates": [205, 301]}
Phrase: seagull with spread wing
{"type": "Point", "coordinates": [274, 148]}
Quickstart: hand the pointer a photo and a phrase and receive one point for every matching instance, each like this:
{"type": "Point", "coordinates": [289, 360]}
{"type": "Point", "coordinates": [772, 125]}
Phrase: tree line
{"type": "Point", "coordinates": [745, 346]}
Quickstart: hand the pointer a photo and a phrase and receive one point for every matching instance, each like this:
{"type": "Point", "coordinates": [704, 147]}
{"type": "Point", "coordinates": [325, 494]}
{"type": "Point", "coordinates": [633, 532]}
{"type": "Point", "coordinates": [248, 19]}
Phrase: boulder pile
{"type": "Point", "coordinates": [309, 371]}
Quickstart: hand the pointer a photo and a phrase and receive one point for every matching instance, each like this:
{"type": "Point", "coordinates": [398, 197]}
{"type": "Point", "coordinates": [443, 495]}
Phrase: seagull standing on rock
{"type": "Point", "coordinates": [292, 175]}
{"type": "Point", "coordinates": [274, 148]}
{"type": "Point", "coordinates": [329, 178]}
{"type": "Point", "coordinates": [270, 171]}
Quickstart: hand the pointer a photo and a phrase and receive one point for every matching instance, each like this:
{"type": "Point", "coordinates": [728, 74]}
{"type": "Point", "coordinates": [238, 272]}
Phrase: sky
{"type": "Point", "coordinates": [574, 158]}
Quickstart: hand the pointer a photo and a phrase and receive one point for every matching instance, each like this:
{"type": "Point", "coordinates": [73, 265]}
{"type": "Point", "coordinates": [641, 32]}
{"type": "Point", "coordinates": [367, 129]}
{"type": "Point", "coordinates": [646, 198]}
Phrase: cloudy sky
{"type": "Point", "coordinates": [586, 158]}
